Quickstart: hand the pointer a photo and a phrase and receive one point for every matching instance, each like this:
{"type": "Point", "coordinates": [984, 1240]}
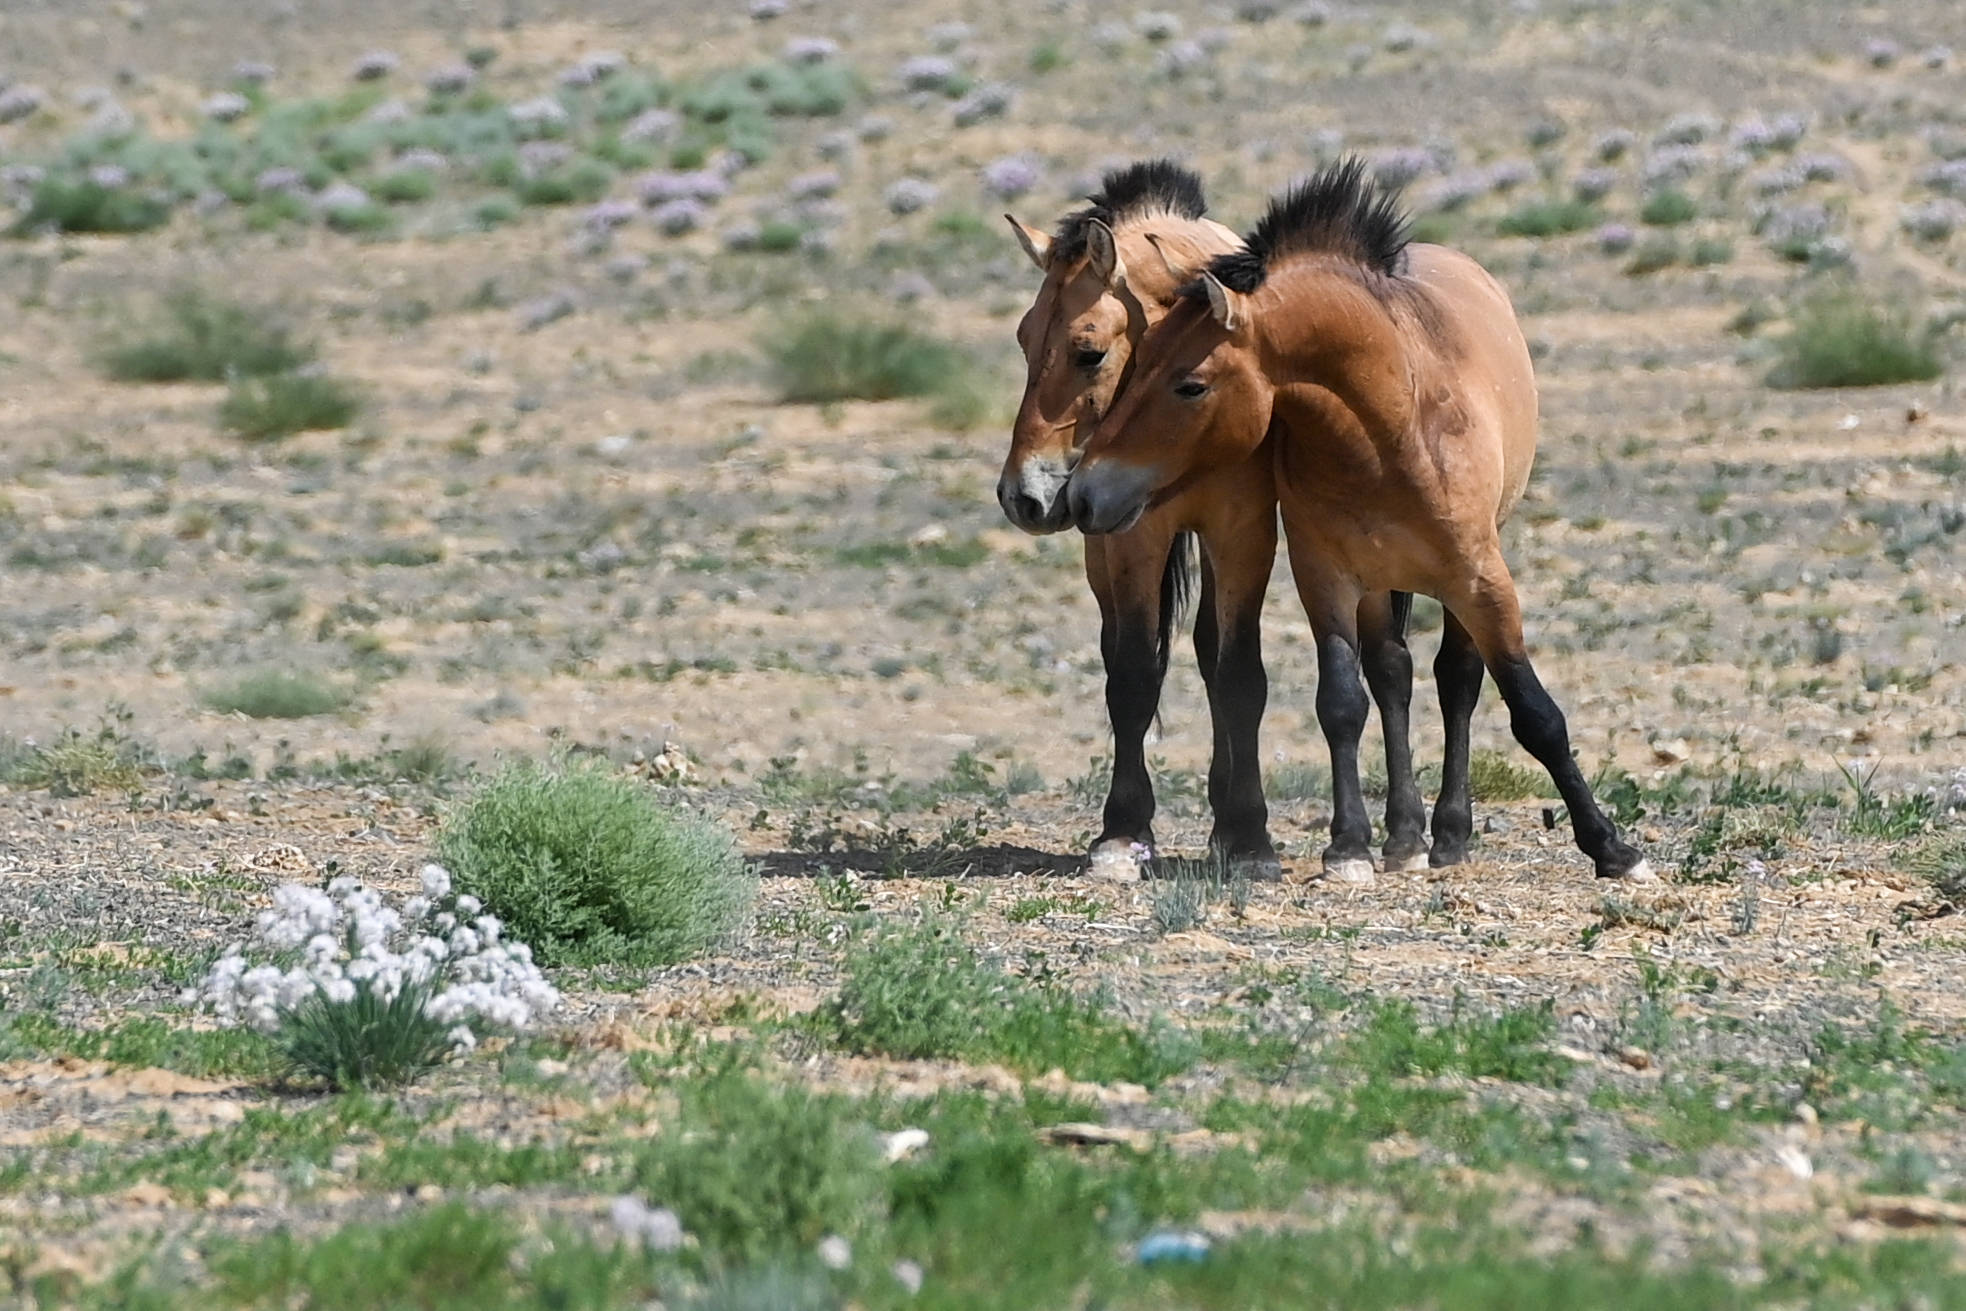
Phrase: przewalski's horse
{"type": "Point", "coordinates": [1394, 387]}
{"type": "Point", "coordinates": [1109, 271]}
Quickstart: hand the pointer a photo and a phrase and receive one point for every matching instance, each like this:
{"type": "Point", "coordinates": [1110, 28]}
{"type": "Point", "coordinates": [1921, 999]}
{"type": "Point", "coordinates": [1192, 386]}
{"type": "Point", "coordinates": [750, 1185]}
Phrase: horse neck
{"type": "Point", "coordinates": [1320, 326]}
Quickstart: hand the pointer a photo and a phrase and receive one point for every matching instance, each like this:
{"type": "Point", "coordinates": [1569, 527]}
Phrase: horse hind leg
{"type": "Point", "coordinates": [1389, 673]}
{"type": "Point", "coordinates": [1493, 617]}
{"type": "Point", "coordinates": [1457, 677]}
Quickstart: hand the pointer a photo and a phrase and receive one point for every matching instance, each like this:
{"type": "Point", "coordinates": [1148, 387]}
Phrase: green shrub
{"type": "Point", "coordinates": [79, 205]}
{"type": "Point", "coordinates": [260, 409]}
{"type": "Point", "coordinates": [370, 1042]}
{"type": "Point", "coordinates": [448, 1256]}
{"type": "Point", "coordinates": [827, 356]}
{"type": "Point", "coordinates": [1841, 339]}
{"type": "Point", "coordinates": [589, 867]}
{"type": "Point", "coordinates": [754, 1169]}
{"type": "Point", "coordinates": [1548, 218]}
{"type": "Point", "coordinates": [202, 338]}
{"type": "Point", "coordinates": [579, 182]}
{"type": "Point", "coordinates": [1492, 776]}
{"type": "Point", "coordinates": [1668, 208]}
{"type": "Point", "coordinates": [278, 694]}
{"type": "Point", "coordinates": [76, 764]}
{"type": "Point", "coordinates": [405, 186]}
{"type": "Point", "coordinates": [1661, 252]}
{"type": "Point", "coordinates": [369, 217]}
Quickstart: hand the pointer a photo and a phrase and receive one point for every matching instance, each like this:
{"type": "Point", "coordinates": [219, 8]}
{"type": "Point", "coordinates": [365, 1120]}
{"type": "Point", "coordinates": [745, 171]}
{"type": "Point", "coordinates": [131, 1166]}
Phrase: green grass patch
{"type": "Point", "coordinates": [78, 764]}
{"type": "Point", "coordinates": [1511, 1044]}
{"type": "Point", "coordinates": [1843, 339]}
{"type": "Point", "coordinates": [921, 992]}
{"type": "Point", "coordinates": [1548, 218]}
{"type": "Point", "coordinates": [592, 868]}
{"type": "Point", "coordinates": [202, 338]}
{"type": "Point", "coordinates": [1668, 208]}
{"type": "Point", "coordinates": [143, 1042]}
{"type": "Point", "coordinates": [263, 409]}
{"type": "Point", "coordinates": [79, 205]}
{"type": "Point", "coordinates": [1492, 776]}
{"type": "Point", "coordinates": [278, 694]}
{"type": "Point", "coordinates": [831, 356]}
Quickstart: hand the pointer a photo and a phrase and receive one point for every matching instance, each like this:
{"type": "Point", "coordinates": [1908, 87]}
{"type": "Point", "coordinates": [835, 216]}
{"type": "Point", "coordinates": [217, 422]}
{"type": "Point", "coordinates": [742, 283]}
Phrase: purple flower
{"type": "Point", "coordinates": [910, 194]}
{"type": "Point", "coordinates": [1688, 129]}
{"type": "Point", "coordinates": [1314, 13]}
{"type": "Point", "coordinates": [1615, 238]}
{"type": "Point", "coordinates": [111, 120]}
{"type": "Point", "coordinates": [908, 287]}
{"type": "Point", "coordinates": [834, 145]}
{"type": "Point", "coordinates": [536, 314]}
{"type": "Point", "coordinates": [927, 73]}
{"type": "Point", "coordinates": [991, 100]}
{"type": "Point", "coordinates": [252, 72]}
{"type": "Point", "coordinates": [421, 159]}
{"type": "Point", "coordinates": [810, 49]}
{"type": "Point", "coordinates": [1613, 144]}
{"type": "Point", "coordinates": [1181, 58]}
{"type": "Point", "coordinates": [540, 116]}
{"type": "Point", "coordinates": [660, 188]}
{"type": "Point", "coordinates": [19, 102]}
{"type": "Point", "coordinates": [1932, 220]}
{"type": "Point", "coordinates": [1400, 37]}
{"type": "Point", "coordinates": [341, 196]}
{"type": "Point", "coordinates": [1158, 26]}
{"type": "Point", "coordinates": [538, 157]}
{"type": "Point", "coordinates": [764, 11]}
{"type": "Point", "coordinates": [947, 36]}
{"type": "Point", "coordinates": [1753, 135]}
{"type": "Point", "coordinates": [1948, 178]}
{"type": "Point", "coordinates": [1257, 11]}
{"type": "Point", "coordinates": [1508, 174]}
{"type": "Point", "coordinates": [1824, 167]}
{"type": "Point", "coordinates": [875, 127]}
{"type": "Point", "coordinates": [1776, 181]}
{"type": "Point", "coordinates": [744, 234]}
{"type": "Point", "coordinates": [225, 107]}
{"type": "Point", "coordinates": [626, 268]}
{"type": "Point", "coordinates": [388, 113]}
{"type": "Point", "coordinates": [1593, 184]}
{"type": "Point", "coordinates": [21, 177]}
{"type": "Point", "coordinates": [1454, 191]}
{"type": "Point", "coordinates": [592, 68]}
{"type": "Point", "coordinates": [109, 176]}
{"type": "Point", "coordinates": [1011, 176]}
{"type": "Point", "coordinates": [650, 125]}
{"type": "Point", "coordinates": [1880, 53]}
{"type": "Point", "coordinates": [607, 215]}
{"type": "Point", "coordinates": [813, 186]}
{"type": "Point", "coordinates": [1671, 165]}
{"type": "Point", "coordinates": [1935, 57]}
{"type": "Point", "coordinates": [449, 80]}
{"type": "Point", "coordinates": [1398, 167]}
{"type": "Point", "coordinates": [374, 65]}
{"type": "Point", "coordinates": [678, 216]}
{"type": "Point", "coordinates": [273, 181]}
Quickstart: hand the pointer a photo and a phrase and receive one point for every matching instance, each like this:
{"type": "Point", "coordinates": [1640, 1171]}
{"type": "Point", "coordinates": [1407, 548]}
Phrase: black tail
{"type": "Point", "coordinates": [1177, 590]}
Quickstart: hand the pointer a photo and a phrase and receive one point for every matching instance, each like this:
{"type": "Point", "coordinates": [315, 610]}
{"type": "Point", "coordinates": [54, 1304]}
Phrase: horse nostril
{"type": "Point", "coordinates": [1027, 508]}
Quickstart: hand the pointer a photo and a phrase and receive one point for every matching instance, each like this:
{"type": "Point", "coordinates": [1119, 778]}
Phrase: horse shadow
{"type": "Point", "coordinates": [999, 860]}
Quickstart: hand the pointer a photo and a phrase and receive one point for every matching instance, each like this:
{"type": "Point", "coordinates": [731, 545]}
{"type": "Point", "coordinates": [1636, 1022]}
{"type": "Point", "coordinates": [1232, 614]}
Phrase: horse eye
{"type": "Point", "coordinates": [1190, 388]}
{"type": "Point", "coordinates": [1089, 358]}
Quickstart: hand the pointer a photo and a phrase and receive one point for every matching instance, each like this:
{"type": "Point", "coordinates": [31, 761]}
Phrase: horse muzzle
{"type": "Point", "coordinates": [1109, 498]}
{"type": "Point", "coordinates": [1033, 497]}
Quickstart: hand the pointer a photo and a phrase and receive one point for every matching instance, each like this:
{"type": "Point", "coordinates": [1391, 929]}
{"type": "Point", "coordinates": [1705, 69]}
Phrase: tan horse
{"type": "Point", "coordinates": [1394, 386]}
{"type": "Point", "coordinates": [1109, 272]}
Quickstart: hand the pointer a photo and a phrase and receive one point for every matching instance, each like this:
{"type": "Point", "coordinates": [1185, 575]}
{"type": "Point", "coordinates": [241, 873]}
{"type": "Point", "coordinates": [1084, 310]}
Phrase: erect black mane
{"type": "Point", "coordinates": [1341, 209]}
{"type": "Point", "coordinates": [1152, 186]}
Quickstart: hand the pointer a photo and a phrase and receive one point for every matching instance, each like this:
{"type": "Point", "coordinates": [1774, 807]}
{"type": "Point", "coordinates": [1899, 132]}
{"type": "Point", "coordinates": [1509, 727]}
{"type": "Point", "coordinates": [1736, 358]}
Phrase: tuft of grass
{"type": "Point", "coordinates": [145, 1043]}
{"type": "Point", "coordinates": [202, 338]}
{"type": "Point", "coordinates": [921, 992]}
{"type": "Point", "coordinates": [262, 409]}
{"type": "Point", "coordinates": [1668, 208]}
{"type": "Point", "coordinates": [829, 356]}
{"type": "Point", "coordinates": [592, 868]}
{"type": "Point", "coordinates": [449, 1256]}
{"type": "Point", "coordinates": [1842, 339]}
{"type": "Point", "coordinates": [77, 764]}
{"type": "Point", "coordinates": [1661, 252]}
{"type": "Point", "coordinates": [1548, 218]}
{"type": "Point", "coordinates": [1492, 776]}
{"type": "Point", "coordinates": [1511, 1044]}
{"type": "Point", "coordinates": [369, 1042]}
{"type": "Point", "coordinates": [80, 205]}
{"type": "Point", "coordinates": [1940, 860]}
{"type": "Point", "coordinates": [278, 694]}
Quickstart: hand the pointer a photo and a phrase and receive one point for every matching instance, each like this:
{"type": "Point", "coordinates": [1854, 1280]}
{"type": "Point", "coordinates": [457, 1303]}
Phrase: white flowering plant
{"type": "Point", "coordinates": [361, 994]}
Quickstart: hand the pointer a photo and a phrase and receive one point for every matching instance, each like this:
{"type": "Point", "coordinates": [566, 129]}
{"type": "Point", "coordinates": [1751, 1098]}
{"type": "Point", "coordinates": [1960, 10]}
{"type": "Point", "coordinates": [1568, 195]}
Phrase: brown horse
{"type": "Point", "coordinates": [1110, 271]}
{"type": "Point", "coordinates": [1394, 387]}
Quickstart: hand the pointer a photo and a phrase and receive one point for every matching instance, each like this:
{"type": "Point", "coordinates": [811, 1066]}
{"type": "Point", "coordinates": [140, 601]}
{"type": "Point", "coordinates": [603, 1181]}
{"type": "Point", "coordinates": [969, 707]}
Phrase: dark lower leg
{"type": "Point", "coordinates": [1237, 693]}
{"type": "Point", "coordinates": [1133, 679]}
{"type": "Point", "coordinates": [1389, 673]}
{"type": "Point", "coordinates": [1457, 678]}
{"type": "Point", "coordinates": [1538, 725]}
{"type": "Point", "coordinates": [1341, 710]}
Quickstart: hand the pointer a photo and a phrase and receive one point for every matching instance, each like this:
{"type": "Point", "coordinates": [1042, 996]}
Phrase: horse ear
{"type": "Point", "coordinates": [1224, 304]}
{"type": "Point", "coordinates": [1103, 254]}
{"type": "Point", "coordinates": [1177, 273]}
{"type": "Point", "coordinates": [1035, 243]}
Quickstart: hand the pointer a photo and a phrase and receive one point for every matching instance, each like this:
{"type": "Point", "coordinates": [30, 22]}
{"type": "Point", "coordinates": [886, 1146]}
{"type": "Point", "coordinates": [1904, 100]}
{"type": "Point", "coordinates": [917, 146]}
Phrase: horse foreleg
{"type": "Point", "coordinates": [1125, 573]}
{"type": "Point", "coordinates": [1389, 673]}
{"type": "Point", "coordinates": [1238, 566]}
{"type": "Point", "coordinates": [1331, 604]}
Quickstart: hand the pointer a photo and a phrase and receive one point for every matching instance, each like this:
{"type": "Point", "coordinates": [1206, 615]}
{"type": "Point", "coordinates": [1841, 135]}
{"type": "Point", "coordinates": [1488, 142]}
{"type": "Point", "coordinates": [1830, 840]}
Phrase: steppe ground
{"type": "Point", "coordinates": [573, 517]}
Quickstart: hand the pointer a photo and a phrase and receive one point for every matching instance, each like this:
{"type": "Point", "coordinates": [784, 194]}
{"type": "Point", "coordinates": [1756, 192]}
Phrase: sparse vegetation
{"type": "Point", "coordinates": [262, 409]}
{"type": "Point", "coordinates": [64, 204]}
{"type": "Point", "coordinates": [1841, 338]}
{"type": "Point", "coordinates": [278, 694]}
{"type": "Point", "coordinates": [1549, 218]}
{"type": "Point", "coordinates": [828, 356]}
{"type": "Point", "coordinates": [198, 337]}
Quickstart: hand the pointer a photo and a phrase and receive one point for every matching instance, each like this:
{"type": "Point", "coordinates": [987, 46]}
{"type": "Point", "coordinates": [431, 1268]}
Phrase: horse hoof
{"type": "Point", "coordinates": [1639, 873]}
{"type": "Point", "coordinates": [1356, 872]}
{"type": "Point", "coordinates": [1445, 857]}
{"type": "Point", "coordinates": [1410, 864]}
{"type": "Point", "coordinates": [1257, 867]}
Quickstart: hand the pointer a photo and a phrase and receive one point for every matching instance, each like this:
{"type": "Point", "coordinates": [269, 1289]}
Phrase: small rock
{"type": "Point", "coordinates": [1636, 1057]}
{"type": "Point", "coordinates": [908, 1274]}
{"type": "Point", "coordinates": [835, 1253]}
{"type": "Point", "coordinates": [903, 1143]}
